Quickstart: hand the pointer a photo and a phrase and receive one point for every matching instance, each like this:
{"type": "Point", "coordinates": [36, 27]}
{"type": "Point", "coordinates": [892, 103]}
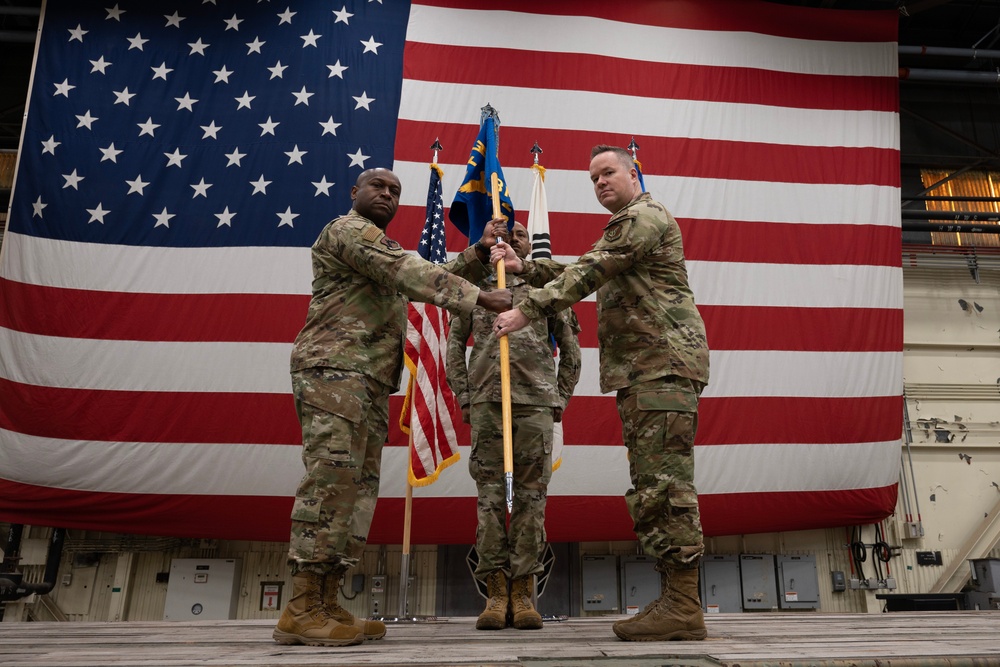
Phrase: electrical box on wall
{"type": "Point", "coordinates": [798, 580]}
{"type": "Point", "coordinates": [720, 584]}
{"type": "Point", "coordinates": [202, 589]}
{"type": "Point", "coordinates": [758, 586]}
{"type": "Point", "coordinates": [600, 583]}
{"type": "Point", "coordinates": [640, 582]}
{"type": "Point", "coordinates": [377, 601]}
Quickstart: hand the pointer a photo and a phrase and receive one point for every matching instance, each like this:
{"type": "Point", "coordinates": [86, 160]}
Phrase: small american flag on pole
{"type": "Point", "coordinates": [429, 410]}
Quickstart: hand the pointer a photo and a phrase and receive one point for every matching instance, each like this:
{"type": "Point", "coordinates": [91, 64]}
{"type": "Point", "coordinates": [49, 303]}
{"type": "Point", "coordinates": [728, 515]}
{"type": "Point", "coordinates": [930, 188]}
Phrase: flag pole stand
{"type": "Point", "coordinates": [402, 615]}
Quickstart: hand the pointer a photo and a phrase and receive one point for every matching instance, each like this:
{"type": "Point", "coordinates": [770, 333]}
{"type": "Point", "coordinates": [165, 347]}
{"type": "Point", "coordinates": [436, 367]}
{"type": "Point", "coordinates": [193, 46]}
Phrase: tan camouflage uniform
{"type": "Point", "coordinates": [654, 354]}
{"type": "Point", "coordinates": [536, 388]}
{"type": "Point", "coordinates": [345, 362]}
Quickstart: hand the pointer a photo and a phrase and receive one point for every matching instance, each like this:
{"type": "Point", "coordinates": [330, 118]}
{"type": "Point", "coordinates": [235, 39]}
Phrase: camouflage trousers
{"type": "Point", "coordinates": [659, 420]}
{"type": "Point", "coordinates": [345, 421]}
{"type": "Point", "coordinates": [516, 549]}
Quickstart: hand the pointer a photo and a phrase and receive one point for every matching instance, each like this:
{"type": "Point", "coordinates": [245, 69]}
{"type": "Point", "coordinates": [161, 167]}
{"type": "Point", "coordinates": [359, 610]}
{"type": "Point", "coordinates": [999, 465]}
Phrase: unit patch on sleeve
{"type": "Point", "coordinates": [612, 234]}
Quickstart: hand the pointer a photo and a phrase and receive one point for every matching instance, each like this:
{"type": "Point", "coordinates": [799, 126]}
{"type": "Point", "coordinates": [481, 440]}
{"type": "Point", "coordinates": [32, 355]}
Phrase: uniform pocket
{"type": "Point", "coordinates": [672, 401]}
{"type": "Point", "coordinates": [345, 395]}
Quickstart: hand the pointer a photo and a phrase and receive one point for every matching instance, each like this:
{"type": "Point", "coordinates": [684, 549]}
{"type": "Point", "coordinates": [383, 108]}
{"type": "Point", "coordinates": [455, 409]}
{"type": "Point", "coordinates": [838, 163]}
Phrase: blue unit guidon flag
{"type": "Point", "coordinates": [180, 157]}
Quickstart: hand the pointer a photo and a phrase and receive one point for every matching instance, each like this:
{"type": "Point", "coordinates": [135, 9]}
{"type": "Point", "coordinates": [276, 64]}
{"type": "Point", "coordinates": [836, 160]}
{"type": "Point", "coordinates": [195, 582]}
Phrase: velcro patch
{"type": "Point", "coordinates": [390, 244]}
{"type": "Point", "coordinates": [372, 233]}
{"type": "Point", "coordinates": [613, 233]}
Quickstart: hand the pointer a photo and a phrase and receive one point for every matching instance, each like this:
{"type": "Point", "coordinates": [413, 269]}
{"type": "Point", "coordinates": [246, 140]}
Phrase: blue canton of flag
{"type": "Point", "coordinates": [192, 124]}
{"type": "Point", "coordinates": [432, 246]}
{"type": "Point", "coordinates": [473, 204]}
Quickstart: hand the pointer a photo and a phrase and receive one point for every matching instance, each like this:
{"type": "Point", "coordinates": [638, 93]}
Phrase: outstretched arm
{"type": "Point", "coordinates": [496, 301]}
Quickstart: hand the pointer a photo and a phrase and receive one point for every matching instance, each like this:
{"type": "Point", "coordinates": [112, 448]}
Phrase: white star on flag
{"type": "Point", "coordinates": [110, 153]}
{"type": "Point", "coordinates": [336, 70]}
{"type": "Point", "coordinates": [200, 189]}
{"type": "Point", "coordinates": [222, 74]}
{"type": "Point", "coordinates": [309, 40]}
{"type": "Point", "coordinates": [86, 120]}
{"type": "Point", "coordinates": [49, 145]}
{"type": "Point", "coordinates": [163, 218]}
{"type": "Point", "coordinates": [287, 217]}
{"type": "Point", "coordinates": [99, 65]}
{"type": "Point", "coordinates": [295, 155]}
{"type": "Point", "coordinates": [136, 42]}
{"type": "Point", "coordinates": [136, 186]}
{"type": "Point", "coordinates": [72, 180]}
{"type": "Point", "coordinates": [259, 186]}
{"type": "Point", "coordinates": [174, 20]}
{"type": "Point", "coordinates": [322, 187]}
{"type": "Point", "coordinates": [97, 214]}
{"type": "Point", "coordinates": [149, 127]}
{"type": "Point", "coordinates": [357, 159]}
{"type": "Point", "coordinates": [225, 218]}
{"type": "Point", "coordinates": [63, 88]}
{"type": "Point", "coordinates": [174, 159]}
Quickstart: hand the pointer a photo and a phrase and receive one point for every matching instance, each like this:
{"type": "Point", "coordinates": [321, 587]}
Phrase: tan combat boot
{"type": "Point", "coordinates": [304, 621]}
{"type": "Point", "coordinates": [371, 629]}
{"type": "Point", "coordinates": [494, 617]}
{"type": "Point", "coordinates": [649, 607]}
{"type": "Point", "coordinates": [525, 616]}
{"type": "Point", "coordinates": [675, 615]}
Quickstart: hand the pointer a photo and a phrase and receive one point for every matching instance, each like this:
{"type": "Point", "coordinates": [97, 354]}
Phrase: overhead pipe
{"type": "Point", "coordinates": [958, 216]}
{"type": "Point", "coordinates": [948, 51]}
{"type": "Point", "coordinates": [948, 76]}
{"type": "Point", "coordinates": [22, 36]}
{"type": "Point", "coordinates": [950, 198]}
{"type": "Point", "coordinates": [952, 228]}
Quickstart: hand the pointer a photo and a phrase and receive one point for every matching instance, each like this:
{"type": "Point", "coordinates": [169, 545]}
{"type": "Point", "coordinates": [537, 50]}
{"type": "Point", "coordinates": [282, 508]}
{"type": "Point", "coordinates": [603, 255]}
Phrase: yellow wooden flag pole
{"type": "Point", "coordinates": [508, 434]}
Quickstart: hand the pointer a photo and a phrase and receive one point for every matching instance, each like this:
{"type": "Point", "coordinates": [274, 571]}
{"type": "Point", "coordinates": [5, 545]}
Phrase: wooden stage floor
{"type": "Point", "coordinates": [904, 639]}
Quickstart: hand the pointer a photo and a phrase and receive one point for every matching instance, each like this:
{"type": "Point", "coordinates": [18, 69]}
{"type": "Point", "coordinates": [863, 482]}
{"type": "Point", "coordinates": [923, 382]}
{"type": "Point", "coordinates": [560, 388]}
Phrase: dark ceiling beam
{"type": "Point", "coordinates": [922, 6]}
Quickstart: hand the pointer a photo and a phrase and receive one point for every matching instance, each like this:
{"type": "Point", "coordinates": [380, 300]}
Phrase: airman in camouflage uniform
{"type": "Point", "coordinates": [345, 362]}
{"type": "Point", "coordinates": [538, 398]}
{"type": "Point", "coordinates": [654, 354]}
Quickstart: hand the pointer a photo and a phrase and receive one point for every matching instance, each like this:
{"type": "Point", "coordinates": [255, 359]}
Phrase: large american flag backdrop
{"type": "Point", "coordinates": [179, 158]}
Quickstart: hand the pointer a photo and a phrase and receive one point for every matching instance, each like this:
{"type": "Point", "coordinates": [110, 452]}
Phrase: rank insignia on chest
{"type": "Point", "coordinates": [613, 233]}
{"type": "Point", "coordinates": [389, 243]}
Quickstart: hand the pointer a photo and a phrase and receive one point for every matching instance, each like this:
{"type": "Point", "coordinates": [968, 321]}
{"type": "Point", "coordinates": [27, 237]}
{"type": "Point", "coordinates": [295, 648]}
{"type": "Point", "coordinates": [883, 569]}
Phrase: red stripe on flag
{"type": "Point", "coordinates": [787, 243]}
{"type": "Point", "coordinates": [567, 518]}
{"type": "Point", "coordinates": [593, 420]}
{"type": "Point", "coordinates": [574, 234]}
{"type": "Point", "coordinates": [575, 71]}
{"type": "Point", "coordinates": [740, 513]}
{"type": "Point", "coordinates": [783, 328]}
{"type": "Point", "coordinates": [149, 416]}
{"type": "Point", "coordinates": [765, 18]}
{"type": "Point", "coordinates": [252, 418]}
{"type": "Point", "coordinates": [680, 156]}
{"type": "Point", "coordinates": [74, 313]}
